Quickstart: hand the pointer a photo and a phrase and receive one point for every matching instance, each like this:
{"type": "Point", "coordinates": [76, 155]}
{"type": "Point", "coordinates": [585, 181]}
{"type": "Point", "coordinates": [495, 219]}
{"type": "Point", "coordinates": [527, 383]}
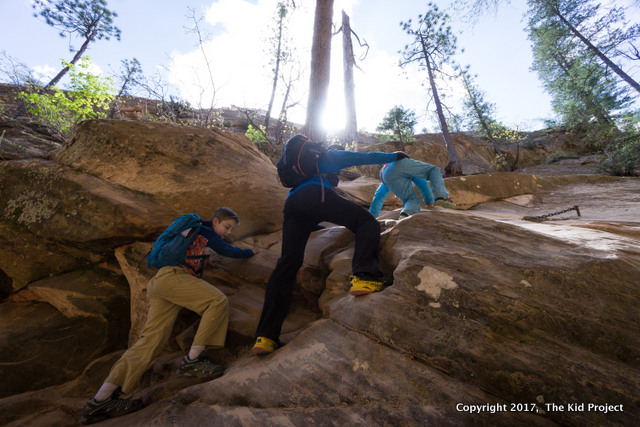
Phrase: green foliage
{"type": "Point", "coordinates": [351, 146]}
{"type": "Point", "coordinates": [88, 97]}
{"type": "Point", "coordinates": [499, 162]}
{"type": "Point", "coordinates": [624, 158]}
{"type": "Point", "coordinates": [624, 149]}
{"type": "Point", "coordinates": [434, 42]}
{"type": "Point", "coordinates": [585, 92]}
{"type": "Point", "coordinates": [398, 125]}
{"type": "Point", "coordinates": [478, 112]}
{"type": "Point", "coordinates": [504, 134]}
{"type": "Point", "coordinates": [575, 45]}
{"type": "Point", "coordinates": [256, 135]}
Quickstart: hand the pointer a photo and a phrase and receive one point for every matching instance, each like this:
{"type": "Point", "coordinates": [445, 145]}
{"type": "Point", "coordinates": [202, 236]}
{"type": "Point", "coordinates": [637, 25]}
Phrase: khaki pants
{"type": "Point", "coordinates": [168, 291]}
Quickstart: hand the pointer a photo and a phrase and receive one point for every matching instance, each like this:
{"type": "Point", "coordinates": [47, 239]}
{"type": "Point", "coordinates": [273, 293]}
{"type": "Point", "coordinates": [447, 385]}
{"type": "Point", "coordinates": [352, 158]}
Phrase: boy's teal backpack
{"type": "Point", "coordinates": [171, 247]}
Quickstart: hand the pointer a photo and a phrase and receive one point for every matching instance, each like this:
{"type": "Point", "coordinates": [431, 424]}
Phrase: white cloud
{"type": "Point", "coordinates": [44, 72]}
{"type": "Point", "coordinates": [237, 55]}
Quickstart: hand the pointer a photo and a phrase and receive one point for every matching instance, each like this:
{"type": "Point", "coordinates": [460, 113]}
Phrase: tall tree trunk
{"type": "Point", "coordinates": [351, 126]}
{"type": "Point", "coordinates": [275, 75]}
{"type": "Point", "coordinates": [73, 61]}
{"type": "Point", "coordinates": [320, 70]}
{"type": "Point", "coordinates": [282, 117]}
{"type": "Point", "coordinates": [476, 108]}
{"type": "Point", "coordinates": [454, 168]}
{"type": "Point", "coordinates": [22, 108]}
{"type": "Point", "coordinates": [624, 76]}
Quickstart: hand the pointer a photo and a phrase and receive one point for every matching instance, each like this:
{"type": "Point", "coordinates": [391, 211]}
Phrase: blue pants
{"type": "Point", "coordinates": [399, 177]}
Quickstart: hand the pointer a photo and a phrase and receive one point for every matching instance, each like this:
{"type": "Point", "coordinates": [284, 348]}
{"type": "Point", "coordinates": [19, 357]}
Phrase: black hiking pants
{"type": "Point", "coordinates": [303, 211]}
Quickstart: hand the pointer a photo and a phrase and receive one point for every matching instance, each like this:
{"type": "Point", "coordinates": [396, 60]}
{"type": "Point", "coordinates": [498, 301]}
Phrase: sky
{"type": "Point", "coordinates": [235, 49]}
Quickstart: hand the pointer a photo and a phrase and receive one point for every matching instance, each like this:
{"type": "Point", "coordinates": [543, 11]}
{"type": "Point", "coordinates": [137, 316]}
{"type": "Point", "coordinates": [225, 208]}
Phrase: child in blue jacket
{"type": "Point", "coordinates": [171, 289]}
{"type": "Point", "coordinates": [400, 177]}
{"type": "Point", "coordinates": [307, 205]}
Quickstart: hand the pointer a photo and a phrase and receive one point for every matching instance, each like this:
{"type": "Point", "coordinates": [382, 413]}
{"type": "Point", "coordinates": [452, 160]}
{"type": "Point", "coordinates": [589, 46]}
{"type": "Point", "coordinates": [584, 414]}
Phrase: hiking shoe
{"type": "Point", "coordinates": [265, 345]}
{"type": "Point", "coordinates": [445, 203]}
{"type": "Point", "coordinates": [111, 407]}
{"type": "Point", "coordinates": [365, 285]}
{"type": "Point", "coordinates": [200, 367]}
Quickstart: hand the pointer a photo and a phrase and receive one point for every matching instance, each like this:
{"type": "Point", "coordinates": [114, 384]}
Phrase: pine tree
{"type": "Point", "coordinates": [281, 54]}
{"type": "Point", "coordinates": [602, 34]}
{"type": "Point", "coordinates": [433, 45]}
{"type": "Point", "coordinates": [320, 69]}
{"type": "Point", "coordinates": [88, 19]}
{"type": "Point", "coordinates": [399, 123]}
{"type": "Point", "coordinates": [584, 91]}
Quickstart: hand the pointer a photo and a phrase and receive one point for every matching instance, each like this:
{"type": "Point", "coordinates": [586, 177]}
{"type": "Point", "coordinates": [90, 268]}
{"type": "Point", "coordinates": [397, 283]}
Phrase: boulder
{"type": "Point", "coordinates": [468, 191]}
{"type": "Point", "coordinates": [49, 327]}
{"type": "Point", "coordinates": [57, 219]}
{"type": "Point", "coordinates": [519, 324]}
{"type": "Point", "coordinates": [187, 169]}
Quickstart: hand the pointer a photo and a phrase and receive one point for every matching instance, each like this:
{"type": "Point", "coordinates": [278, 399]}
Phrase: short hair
{"type": "Point", "coordinates": [224, 214]}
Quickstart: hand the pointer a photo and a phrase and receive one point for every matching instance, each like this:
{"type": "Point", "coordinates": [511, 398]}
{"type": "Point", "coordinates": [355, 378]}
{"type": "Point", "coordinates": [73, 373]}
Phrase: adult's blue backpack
{"type": "Point", "coordinates": [171, 247]}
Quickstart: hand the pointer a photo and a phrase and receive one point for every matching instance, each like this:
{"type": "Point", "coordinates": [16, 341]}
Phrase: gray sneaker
{"type": "Point", "coordinates": [201, 367]}
{"type": "Point", "coordinates": [445, 203]}
{"type": "Point", "coordinates": [111, 407]}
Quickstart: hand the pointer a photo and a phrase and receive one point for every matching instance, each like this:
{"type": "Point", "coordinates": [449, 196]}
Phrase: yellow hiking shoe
{"type": "Point", "coordinates": [360, 286]}
{"type": "Point", "coordinates": [264, 345]}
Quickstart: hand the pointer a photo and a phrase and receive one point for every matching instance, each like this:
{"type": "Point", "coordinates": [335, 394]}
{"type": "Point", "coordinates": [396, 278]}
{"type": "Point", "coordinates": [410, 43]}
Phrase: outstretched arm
{"type": "Point", "coordinates": [223, 248]}
{"type": "Point", "coordinates": [336, 160]}
{"type": "Point", "coordinates": [378, 199]}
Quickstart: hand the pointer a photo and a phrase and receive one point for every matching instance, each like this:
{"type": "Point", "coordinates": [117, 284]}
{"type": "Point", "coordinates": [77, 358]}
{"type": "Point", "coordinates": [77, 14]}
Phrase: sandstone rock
{"type": "Point", "coordinates": [59, 326]}
{"type": "Point", "coordinates": [57, 219]}
{"type": "Point", "coordinates": [20, 140]}
{"type": "Point", "coordinates": [185, 168]}
{"type": "Point", "coordinates": [468, 191]}
{"type": "Point", "coordinates": [485, 309]}
{"type": "Point", "coordinates": [528, 319]}
{"type": "Point", "coordinates": [26, 257]}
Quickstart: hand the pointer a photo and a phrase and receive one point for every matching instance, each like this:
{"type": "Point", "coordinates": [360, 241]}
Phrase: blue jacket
{"type": "Point", "coordinates": [334, 161]}
{"type": "Point", "coordinates": [400, 177]}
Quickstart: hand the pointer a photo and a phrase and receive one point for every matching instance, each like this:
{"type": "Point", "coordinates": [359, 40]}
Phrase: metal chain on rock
{"type": "Point", "coordinates": [541, 218]}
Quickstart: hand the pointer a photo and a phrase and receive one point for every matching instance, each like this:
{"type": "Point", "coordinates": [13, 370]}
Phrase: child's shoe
{"type": "Point", "coordinates": [445, 203]}
{"type": "Point", "coordinates": [111, 407]}
{"type": "Point", "coordinates": [200, 367]}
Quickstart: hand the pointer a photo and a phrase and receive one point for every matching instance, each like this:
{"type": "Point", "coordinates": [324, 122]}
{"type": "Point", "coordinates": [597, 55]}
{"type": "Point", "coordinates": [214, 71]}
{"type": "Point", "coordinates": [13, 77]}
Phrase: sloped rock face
{"type": "Point", "coordinates": [51, 331]}
{"type": "Point", "coordinates": [60, 219]}
{"type": "Point", "coordinates": [25, 140]}
{"type": "Point", "coordinates": [480, 313]}
{"type": "Point", "coordinates": [57, 219]}
{"type": "Point", "coordinates": [185, 168]}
